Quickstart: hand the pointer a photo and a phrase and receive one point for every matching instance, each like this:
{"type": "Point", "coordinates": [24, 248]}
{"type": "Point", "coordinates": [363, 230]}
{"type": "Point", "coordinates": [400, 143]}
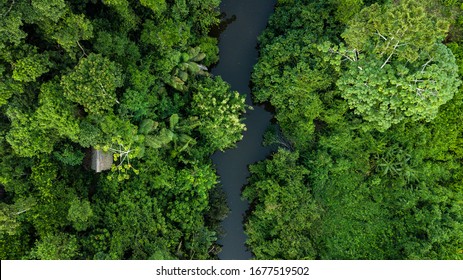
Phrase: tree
{"type": "Point", "coordinates": [29, 68]}
{"type": "Point", "coordinates": [291, 74]}
{"type": "Point", "coordinates": [56, 113]}
{"type": "Point", "coordinates": [283, 209]}
{"type": "Point", "coordinates": [9, 214]}
{"type": "Point", "coordinates": [188, 65]}
{"type": "Point", "coordinates": [177, 133]}
{"type": "Point", "coordinates": [368, 194]}
{"type": "Point", "coordinates": [76, 75]}
{"type": "Point", "coordinates": [60, 246]}
{"type": "Point", "coordinates": [347, 9]}
{"type": "Point", "coordinates": [218, 110]}
{"type": "Point", "coordinates": [157, 6]}
{"type": "Point", "coordinates": [80, 214]}
{"type": "Point", "coordinates": [397, 69]}
{"type": "Point", "coordinates": [387, 96]}
{"type": "Point", "coordinates": [8, 86]}
{"type": "Point", "coordinates": [93, 83]}
{"type": "Point", "coordinates": [69, 30]}
{"type": "Point", "coordinates": [123, 9]}
{"type": "Point", "coordinates": [25, 135]}
{"type": "Point", "coordinates": [49, 9]}
{"type": "Point", "coordinates": [403, 29]}
{"type": "Point", "coordinates": [171, 33]}
{"type": "Point", "coordinates": [428, 224]}
{"type": "Point", "coordinates": [69, 155]}
{"type": "Point", "coordinates": [10, 24]}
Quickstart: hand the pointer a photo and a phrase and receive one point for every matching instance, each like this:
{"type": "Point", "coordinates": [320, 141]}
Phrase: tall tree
{"type": "Point", "coordinates": [397, 69]}
{"type": "Point", "coordinates": [93, 83]}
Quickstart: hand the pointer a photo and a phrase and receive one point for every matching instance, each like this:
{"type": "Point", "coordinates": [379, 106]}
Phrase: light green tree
{"type": "Point", "coordinates": [50, 9]}
{"type": "Point", "coordinates": [396, 66]}
{"type": "Point", "coordinates": [9, 214]}
{"type": "Point", "coordinates": [346, 9]}
{"type": "Point", "coordinates": [219, 112]}
{"type": "Point", "coordinates": [399, 91]}
{"type": "Point", "coordinates": [80, 214]}
{"type": "Point", "coordinates": [93, 83]}
{"type": "Point", "coordinates": [55, 113]}
{"type": "Point", "coordinates": [59, 246]}
{"type": "Point", "coordinates": [29, 68]}
{"type": "Point", "coordinates": [157, 6]}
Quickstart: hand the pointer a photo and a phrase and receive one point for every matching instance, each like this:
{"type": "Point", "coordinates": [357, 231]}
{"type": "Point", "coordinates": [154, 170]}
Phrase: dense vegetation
{"type": "Point", "coordinates": [129, 77]}
{"type": "Point", "coordinates": [369, 113]}
{"type": "Point", "coordinates": [369, 122]}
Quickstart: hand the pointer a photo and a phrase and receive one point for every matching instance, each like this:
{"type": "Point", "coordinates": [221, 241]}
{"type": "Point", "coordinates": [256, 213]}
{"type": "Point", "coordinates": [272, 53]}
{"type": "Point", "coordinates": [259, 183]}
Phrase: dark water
{"type": "Point", "coordinates": [238, 55]}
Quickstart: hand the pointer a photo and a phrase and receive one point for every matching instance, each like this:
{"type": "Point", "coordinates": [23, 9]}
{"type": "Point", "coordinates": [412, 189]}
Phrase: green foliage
{"type": "Point", "coordinates": [187, 66]}
{"type": "Point", "coordinates": [208, 46]}
{"type": "Point", "coordinates": [116, 47]}
{"type": "Point", "coordinates": [130, 77]}
{"type": "Point", "coordinates": [397, 69]}
{"type": "Point", "coordinates": [157, 6]}
{"type": "Point", "coordinates": [59, 246]}
{"type": "Point", "coordinates": [69, 155]}
{"type": "Point", "coordinates": [283, 209]}
{"type": "Point", "coordinates": [55, 113]}
{"type": "Point", "coordinates": [218, 110]}
{"type": "Point", "coordinates": [8, 87]}
{"type": "Point", "coordinates": [347, 9]}
{"type": "Point", "coordinates": [93, 83]}
{"type": "Point", "coordinates": [403, 29]}
{"type": "Point", "coordinates": [52, 10]}
{"type": "Point", "coordinates": [80, 214]}
{"type": "Point", "coordinates": [126, 77]}
{"type": "Point", "coordinates": [165, 36]}
{"type": "Point", "coordinates": [10, 25]}
{"type": "Point", "coordinates": [429, 224]}
{"type": "Point", "coordinates": [164, 137]}
{"type": "Point", "coordinates": [383, 186]}
{"type": "Point", "coordinates": [71, 29]}
{"type": "Point", "coordinates": [291, 72]}
{"type": "Point", "coordinates": [387, 96]}
{"type": "Point", "coordinates": [90, 135]}
{"type": "Point", "coordinates": [147, 126]}
{"type": "Point", "coordinates": [13, 247]}
{"type": "Point", "coordinates": [31, 67]}
{"type": "Point", "coordinates": [9, 214]}
{"type": "Point", "coordinates": [218, 209]}
{"type": "Point", "coordinates": [168, 224]}
{"type": "Point", "coordinates": [25, 136]}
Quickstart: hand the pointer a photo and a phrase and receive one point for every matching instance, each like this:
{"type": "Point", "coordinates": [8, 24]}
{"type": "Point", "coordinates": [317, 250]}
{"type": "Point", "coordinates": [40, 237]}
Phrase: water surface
{"type": "Point", "coordinates": [238, 54]}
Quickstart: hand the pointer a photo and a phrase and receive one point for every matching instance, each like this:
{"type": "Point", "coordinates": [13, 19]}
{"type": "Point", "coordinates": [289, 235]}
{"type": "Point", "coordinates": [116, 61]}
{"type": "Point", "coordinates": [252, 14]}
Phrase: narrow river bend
{"type": "Point", "coordinates": [238, 54]}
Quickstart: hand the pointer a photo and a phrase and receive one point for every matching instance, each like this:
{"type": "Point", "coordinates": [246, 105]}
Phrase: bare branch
{"type": "Point", "coordinates": [85, 54]}
{"type": "Point", "coordinates": [389, 57]}
{"type": "Point", "coordinates": [356, 53]}
{"type": "Point", "coordinates": [123, 154]}
{"type": "Point", "coordinates": [343, 55]}
{"type": "Point", "coordinates": [387, 60]}
{"type": "Point", "coordinates": [105, 93]}
{"type": "Point", "coordinates": [22, 211]}
{"type": "Point", "coordinates": [380, 35]}
{"type": "Point", "coordinates": [426, 64]}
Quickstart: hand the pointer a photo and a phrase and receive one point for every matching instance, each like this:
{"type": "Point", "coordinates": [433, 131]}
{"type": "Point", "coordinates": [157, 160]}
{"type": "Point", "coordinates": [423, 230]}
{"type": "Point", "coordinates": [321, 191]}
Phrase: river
{"type": "Point", "coordinates": [238, 54]}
